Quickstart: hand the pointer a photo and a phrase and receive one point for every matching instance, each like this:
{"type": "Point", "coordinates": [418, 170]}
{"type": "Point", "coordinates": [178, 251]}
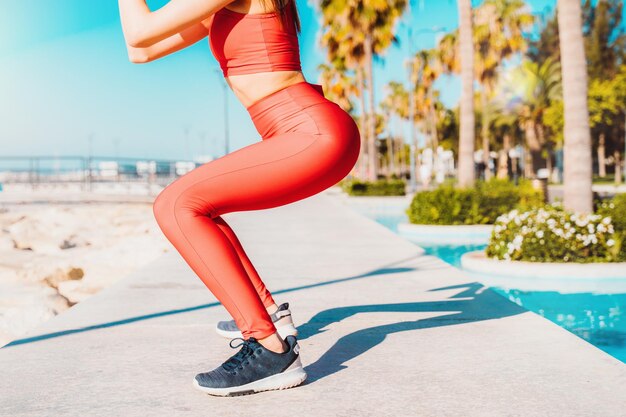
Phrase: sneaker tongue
{"type": "Point", "coordinates": [253, 343]}
{"type": "Point", "coordinates": [246, 349]}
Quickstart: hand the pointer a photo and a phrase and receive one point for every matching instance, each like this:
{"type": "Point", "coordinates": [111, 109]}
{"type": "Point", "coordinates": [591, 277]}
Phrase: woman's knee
{"type": "Point", "coordinates": [172, 204]}
{"type": "Point", "coordinates": [163, 207]}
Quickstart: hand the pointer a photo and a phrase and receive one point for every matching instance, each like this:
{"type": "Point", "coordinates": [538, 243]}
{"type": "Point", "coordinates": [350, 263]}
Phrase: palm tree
{"type": "Point", "coordinates": [339, 86]}
{"type": "Point", "coordinates": [536, 86]}
{"type": "Point", "coordinates": [498, 34]}
{"type": "Point", "coordinates": [504, 123]}
{"type": "Point", "coordinates": [429, 68]}
{"type": "Point", "coordinates": [577, 148]}
{"type": "Point", "coordinates": [345, 49]}
{"type": "Point", "coordinates": [466, 176]}
{"type": "Point", "coordinates": [376, 20]}
{"type": "Point", "coordinates": [367, 30]}
{"type": "Point", "coordinates": [394, 104]}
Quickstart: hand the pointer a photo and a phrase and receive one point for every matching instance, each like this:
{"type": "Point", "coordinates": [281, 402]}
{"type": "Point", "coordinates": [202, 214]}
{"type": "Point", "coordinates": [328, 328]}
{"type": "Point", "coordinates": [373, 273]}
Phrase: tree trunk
{"type": "Point", "coordinates": [577, 145]}
{"type": "Point", "coordinates": [364, 151]}
{"type": "Point", "coordinates": [392, 155]}
{"type": "Point", "coordinates": [503, 158]}
{"type": "Point", "coordinates": [541, 137]}
{"type": "Point", "coordinates": [549, 162]}
{"type": "Point", "coordinates": [413, 156]}
{"type": "Point", "coordinates": [601, 155]}
{"type": "Point", "coordinates": [534, 148]}
{"type": "Point", "coordinates": [371, 120]}
{"type": "Point", "coordinates": [434, 134]}
{"type": "Point", "coordinates": [485, 132]}
{"type": "Point", "coordinates": [528, 164]}
{"type": "Point", "coordinates": [389, 169]}
{"type": "Point", "coordinates": [618, 167]}
{"type": "Point", "coordinates": [397, 151]}
{"type": "Point", "coordinates": [466, 175]}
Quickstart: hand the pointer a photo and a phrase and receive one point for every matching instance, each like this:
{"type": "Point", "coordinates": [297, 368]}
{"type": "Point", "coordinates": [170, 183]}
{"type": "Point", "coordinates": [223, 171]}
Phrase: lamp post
{"type": "Point", "coordinates": [410, 62]}
{"type": "Point", "coordinates": [225, 88]}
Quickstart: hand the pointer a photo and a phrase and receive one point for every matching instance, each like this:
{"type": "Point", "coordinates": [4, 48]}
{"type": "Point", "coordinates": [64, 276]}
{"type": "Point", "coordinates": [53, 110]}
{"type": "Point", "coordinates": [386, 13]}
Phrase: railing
{"type": "Point", "coordinates": [87, 171]}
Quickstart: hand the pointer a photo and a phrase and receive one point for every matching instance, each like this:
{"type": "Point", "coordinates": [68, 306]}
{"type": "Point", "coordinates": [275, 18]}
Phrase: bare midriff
{"type": "Point", "coordinates": [250, 88]}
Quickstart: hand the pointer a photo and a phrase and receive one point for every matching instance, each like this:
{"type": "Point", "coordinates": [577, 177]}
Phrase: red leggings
{"type": "Point", "coordinates": [308, 144]}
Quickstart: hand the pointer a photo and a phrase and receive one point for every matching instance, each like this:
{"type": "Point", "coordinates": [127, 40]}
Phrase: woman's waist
{"type": "Point", "coordinates": [250, 88]}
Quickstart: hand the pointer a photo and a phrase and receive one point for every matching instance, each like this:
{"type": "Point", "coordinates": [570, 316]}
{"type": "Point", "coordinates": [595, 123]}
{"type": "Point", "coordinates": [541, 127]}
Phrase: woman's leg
{"type": "Point", "coordinates": [276, 171]}
{"type": "Point", "coordinates": [253, 275]}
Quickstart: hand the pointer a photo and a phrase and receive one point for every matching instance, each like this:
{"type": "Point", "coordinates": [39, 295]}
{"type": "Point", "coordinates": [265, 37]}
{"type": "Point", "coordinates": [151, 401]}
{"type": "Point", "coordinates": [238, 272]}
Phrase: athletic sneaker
{"type": "Point", "coordinates": [281, 319]}
{"type": "Point", "coordinates": [253, 369]}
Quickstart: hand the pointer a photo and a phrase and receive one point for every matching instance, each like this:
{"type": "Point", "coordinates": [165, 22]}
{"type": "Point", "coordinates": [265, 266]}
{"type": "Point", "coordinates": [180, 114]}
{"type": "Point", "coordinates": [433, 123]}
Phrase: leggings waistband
{"type": "Point", "coordinates": [303, 89]}
{"type": "Point", "coordinates": [282, 110]}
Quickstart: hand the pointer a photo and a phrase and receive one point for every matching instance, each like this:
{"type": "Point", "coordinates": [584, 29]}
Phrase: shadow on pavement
{"type": "Point", "coordinates": [387, 269]}
{"type": "Point", "coordinates": [474, 303]}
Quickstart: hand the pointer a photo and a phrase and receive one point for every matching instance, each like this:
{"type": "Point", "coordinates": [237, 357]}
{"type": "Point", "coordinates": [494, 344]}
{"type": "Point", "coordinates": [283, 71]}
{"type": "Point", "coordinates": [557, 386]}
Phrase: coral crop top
{"type": "Point", "coordinates": [250, 43]}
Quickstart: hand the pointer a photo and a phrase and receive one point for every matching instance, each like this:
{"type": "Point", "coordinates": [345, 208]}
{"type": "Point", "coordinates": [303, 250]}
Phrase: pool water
{"type": "Point", "coordinates": [597, 318]}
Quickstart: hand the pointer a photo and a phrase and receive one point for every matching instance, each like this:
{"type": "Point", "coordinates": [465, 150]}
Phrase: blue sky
{"type": "Point", "coordinates": [65, 75]}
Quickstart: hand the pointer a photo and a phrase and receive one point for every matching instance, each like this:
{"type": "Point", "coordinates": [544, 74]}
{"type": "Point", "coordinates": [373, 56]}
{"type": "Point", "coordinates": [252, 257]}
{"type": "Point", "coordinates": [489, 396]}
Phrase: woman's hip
{"type": "Point", "coordinates": [302, 107]}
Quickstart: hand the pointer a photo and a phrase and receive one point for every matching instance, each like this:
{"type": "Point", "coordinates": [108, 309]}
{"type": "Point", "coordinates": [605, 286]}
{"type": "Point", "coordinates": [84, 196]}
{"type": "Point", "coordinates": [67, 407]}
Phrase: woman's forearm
{"type": "Point", "coordinates": [143, 28]}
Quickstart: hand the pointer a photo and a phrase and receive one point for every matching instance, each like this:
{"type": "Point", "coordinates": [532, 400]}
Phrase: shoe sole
{"type": "Point", "coordinates": [283, 331]}
{"type": "Point", "coordinates": [291, 377]}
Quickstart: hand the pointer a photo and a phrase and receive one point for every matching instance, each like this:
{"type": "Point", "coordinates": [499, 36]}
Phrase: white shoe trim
{"type": "Point", "coordinates": [283, 331]}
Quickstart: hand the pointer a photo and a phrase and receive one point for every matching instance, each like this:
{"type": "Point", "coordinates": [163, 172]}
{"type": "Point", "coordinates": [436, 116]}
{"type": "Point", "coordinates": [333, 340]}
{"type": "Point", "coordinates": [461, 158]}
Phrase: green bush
{"type": "Point", "coordinates": [482, 204]}
{"type": "Point", "coordinates": [616, 210]}
{"type": "Point", "coordinates": [356, 187]}
{"type": "Point", "coordinates": [552, 234]}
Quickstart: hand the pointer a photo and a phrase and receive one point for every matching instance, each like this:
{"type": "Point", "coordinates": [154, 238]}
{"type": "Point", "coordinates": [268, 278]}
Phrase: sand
{"type": "Point", "coordinates": [53, 256]}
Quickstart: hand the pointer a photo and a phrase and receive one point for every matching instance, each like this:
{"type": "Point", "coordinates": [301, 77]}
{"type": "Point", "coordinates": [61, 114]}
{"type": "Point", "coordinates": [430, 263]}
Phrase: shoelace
{"type": "Point", "coordinates": [240, 358]}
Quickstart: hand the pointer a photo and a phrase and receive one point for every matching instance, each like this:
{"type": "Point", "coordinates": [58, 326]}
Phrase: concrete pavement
{"type": "Point", "coordinates": [384, 331]}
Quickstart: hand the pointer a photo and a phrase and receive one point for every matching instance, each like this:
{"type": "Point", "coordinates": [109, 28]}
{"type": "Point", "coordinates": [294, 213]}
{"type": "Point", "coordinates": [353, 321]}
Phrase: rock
{"type": "Point", "coordinates": [63, 274]}
{"type": "Point", "coordinates": [25, 306]}
{"type": "Point", "coordinates": [6, 241]}
{"type": "Point", "coordinates": [74, 241]}
{"type": "Point", "coordinates": [77, 291]}
{"type": "Point", "coordinates": [31, 234]}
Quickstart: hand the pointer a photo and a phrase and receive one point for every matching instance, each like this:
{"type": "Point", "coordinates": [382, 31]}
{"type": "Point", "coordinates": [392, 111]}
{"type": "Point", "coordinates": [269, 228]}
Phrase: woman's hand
{"type": "Point", "coordinates": [143, 28]}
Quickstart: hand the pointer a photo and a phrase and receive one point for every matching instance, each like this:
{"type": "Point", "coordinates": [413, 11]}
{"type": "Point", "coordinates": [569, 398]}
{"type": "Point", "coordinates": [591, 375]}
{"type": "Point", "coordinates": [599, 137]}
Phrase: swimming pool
{"type": "Point", "coordinates": [597, 318]}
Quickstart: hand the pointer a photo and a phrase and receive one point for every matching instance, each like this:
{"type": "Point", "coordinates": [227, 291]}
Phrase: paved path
{"type": "Point", "coordinates": [385, 331]}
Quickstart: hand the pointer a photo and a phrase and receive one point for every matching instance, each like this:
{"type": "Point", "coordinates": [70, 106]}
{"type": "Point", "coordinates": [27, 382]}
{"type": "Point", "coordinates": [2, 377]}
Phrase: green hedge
{"type": "Point", "coordinates": [552, 234]}
{"type": "Point", "coordinates": [481, 204]}
{"type": "Point", "coordinates": [356, 187]}
{"type": "Point", "coordinates": [616, 210]}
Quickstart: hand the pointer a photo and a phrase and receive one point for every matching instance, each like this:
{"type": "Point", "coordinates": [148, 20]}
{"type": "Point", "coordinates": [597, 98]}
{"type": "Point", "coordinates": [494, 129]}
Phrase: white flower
{"type": "Point", "coordinates": [610, 242]}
